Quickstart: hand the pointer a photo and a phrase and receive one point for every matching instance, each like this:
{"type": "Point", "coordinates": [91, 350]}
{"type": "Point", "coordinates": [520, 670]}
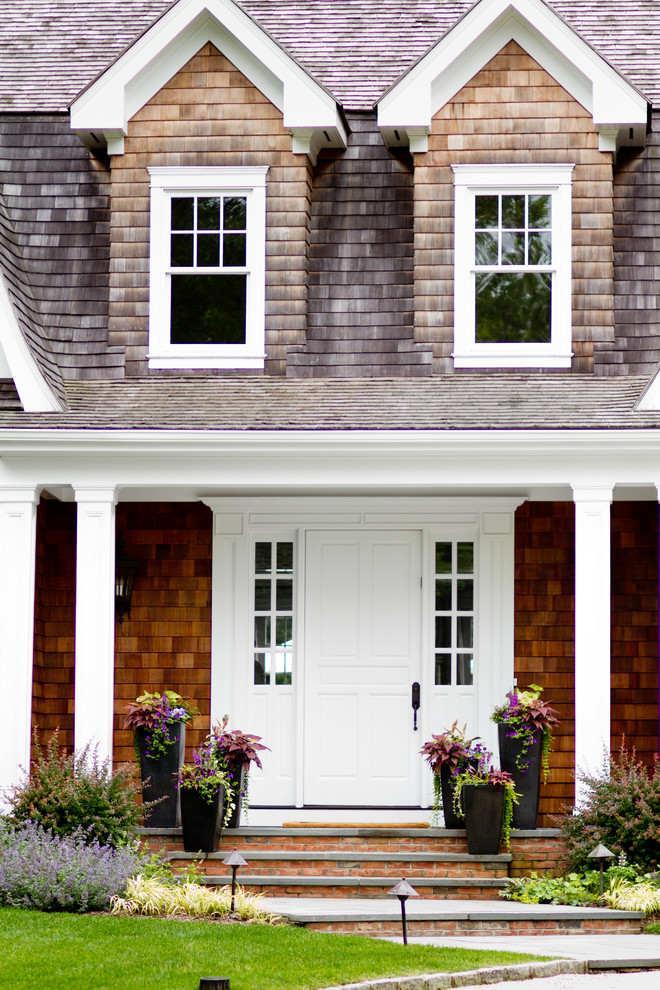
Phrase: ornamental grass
{"type": "Point", "coordinates": [150, 897]}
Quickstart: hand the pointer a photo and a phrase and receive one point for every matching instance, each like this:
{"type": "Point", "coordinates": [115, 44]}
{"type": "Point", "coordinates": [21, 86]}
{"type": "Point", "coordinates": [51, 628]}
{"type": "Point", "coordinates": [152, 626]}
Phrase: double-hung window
{"type": "Point", "coordinates": [512, 275]}
{"type": "Point", "coordinates": [207, 276]}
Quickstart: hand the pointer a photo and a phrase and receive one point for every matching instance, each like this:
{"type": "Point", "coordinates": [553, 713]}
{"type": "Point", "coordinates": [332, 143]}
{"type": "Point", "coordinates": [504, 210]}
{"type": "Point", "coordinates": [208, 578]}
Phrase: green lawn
{"type": "Point", "coordinates": [85, 952]}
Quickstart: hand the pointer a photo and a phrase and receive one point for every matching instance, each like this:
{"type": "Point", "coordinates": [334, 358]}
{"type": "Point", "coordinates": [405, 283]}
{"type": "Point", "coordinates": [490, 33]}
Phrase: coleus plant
{"type": "Point", "coordinates": [525, 714]}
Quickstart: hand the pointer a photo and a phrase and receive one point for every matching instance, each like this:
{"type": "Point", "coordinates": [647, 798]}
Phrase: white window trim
{"type": "Point", "coordinates": [470, 180]}
{"type": "Point", "coordinates": [219, 180]}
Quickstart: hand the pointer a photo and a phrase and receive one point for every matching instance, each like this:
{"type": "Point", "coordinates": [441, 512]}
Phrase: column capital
{"type": "Point", "coordinates": [20, 493]}
{"type": "Point", "coordinates": [107, 495]}
{"type": "Point", "coordinates": [593, 493]}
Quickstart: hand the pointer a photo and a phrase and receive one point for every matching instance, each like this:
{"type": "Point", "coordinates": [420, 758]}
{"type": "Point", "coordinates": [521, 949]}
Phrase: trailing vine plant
{"type": "Point", "coordinates": [481, 777]}
{"type": "Point", "coordinates": [525, 714]}
{"type": "Point", "coordinates": [451, 749]}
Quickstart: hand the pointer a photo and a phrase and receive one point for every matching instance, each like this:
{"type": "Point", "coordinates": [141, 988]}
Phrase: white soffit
{"type": "Point", "coordinates": [613, 103]}
{"type": "Point", "coordinates": [17, 362]}
{"type": "Point", "coordinates": [106, 106]}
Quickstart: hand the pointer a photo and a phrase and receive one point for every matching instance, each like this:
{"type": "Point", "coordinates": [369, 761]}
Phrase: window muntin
{"type": "Point", "coordinates": [512, 302]}
{"type": "Point", "coordinates": [273, 614]}
{"type": "Point", "coordinates": [454, 612]}
{"type": "Point", "coordinates": [207, 301]}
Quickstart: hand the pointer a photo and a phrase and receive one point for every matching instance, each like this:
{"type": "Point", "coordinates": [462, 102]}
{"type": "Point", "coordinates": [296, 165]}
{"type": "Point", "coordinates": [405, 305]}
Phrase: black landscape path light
{"type": "Point", "coordinates": [601, 853]}
{"type": "Point", "coordinates": [403, 891]}
{"type": "Point", "coordinates": [214, 983]}
{"type": "Point", "coordinates": [234, 860]}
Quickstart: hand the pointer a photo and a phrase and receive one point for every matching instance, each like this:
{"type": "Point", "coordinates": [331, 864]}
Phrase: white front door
{"type": "Point", "coordinates": [362, 655]}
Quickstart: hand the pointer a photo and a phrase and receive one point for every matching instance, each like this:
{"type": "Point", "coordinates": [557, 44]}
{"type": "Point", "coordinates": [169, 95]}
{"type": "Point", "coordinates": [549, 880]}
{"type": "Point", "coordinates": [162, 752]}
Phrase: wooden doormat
{"type": "Point", "coordinates": [356, 825]}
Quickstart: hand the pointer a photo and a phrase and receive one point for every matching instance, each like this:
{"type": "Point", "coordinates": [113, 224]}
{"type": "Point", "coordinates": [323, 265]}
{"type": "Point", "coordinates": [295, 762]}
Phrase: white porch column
{"type": "Point", "coordinates": [592, 628]}
{"type": "Point", "coordinates": [18, 528]}
{"type": "Point", "coordinates": [95, 618]}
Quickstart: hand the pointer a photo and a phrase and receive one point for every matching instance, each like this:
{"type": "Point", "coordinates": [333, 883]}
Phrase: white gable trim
{"type": "Point", "coordinates": [649, 401]}
{"type": "Point", "coordinates": [17, 362]}
{"type": "Point", "coordinates": [110, 102]}
{"type": "Point", "coordinates": [478, 37]}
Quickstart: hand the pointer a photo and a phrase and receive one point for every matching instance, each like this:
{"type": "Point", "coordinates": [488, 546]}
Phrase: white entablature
{"type": "Point", "coordinates": [619, 111]}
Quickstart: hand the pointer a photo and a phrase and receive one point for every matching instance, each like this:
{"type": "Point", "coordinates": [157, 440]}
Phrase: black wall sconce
{"type": "Point", "coordinates": [125, 571]}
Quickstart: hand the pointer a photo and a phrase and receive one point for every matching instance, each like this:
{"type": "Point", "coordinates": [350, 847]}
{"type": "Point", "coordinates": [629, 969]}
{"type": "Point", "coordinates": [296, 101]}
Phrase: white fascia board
{"type": "Point", "coordinates": [35, 393]}
{"type": "Point", "coordinates": [480, 35]}
{"type": "Point", "coordinates": [649, 400]}
{"type": "Point", "coordinates": [158, 55]}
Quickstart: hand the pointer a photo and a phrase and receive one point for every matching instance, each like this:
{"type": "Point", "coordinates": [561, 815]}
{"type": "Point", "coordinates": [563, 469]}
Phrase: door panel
{"type": "Point", "coordinates": [362, 653]}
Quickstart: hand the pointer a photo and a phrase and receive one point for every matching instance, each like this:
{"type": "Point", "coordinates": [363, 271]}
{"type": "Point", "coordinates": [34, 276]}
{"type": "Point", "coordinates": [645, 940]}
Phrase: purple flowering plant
{"type": "Point", "coordinates": [155, 713]}
{"type": "Point", "coordinates": [234, 750]}
{"type": "Point", "coordinates": [451, 749]}
{"type": "Point", "coordinates": [526, 715]}
{"type": "Point", "coordinates": [206, 775]}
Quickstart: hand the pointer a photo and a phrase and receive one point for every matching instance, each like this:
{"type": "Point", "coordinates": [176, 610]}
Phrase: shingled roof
{"type": "Point", "coordinates": [52, 49]}
{"type": "Point", "coordinates": [445, 402]}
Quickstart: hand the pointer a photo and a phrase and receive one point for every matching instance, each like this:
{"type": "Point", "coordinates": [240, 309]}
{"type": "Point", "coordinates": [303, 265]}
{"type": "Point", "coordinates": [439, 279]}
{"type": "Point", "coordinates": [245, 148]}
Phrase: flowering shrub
{"type": "Point", "coordinates": [154, 713]}
{"type": "Point", "coordinates": [65, 793]}
{"type": "Point", "coordinates": [60, 873]}
{"type": "Point", "coordinates": [622, 810]}
{"type": "Point", "coordinates": [525, 714]}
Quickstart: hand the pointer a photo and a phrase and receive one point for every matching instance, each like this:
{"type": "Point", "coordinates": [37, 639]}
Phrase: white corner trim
{"type": "Point", "coordinates": [649, 401]}
{"type": "Point", "coordinates": [35, 393]}
{"type": "Point", "coordinates": [109, 103]}
{"type": "Point", "coordinates": [480, 35]}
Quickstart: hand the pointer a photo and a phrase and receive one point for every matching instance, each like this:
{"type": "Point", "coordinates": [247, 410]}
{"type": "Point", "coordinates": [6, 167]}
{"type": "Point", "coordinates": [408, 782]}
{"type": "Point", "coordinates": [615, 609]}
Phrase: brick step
{"type": "Point", "coordinates": [338, 864]}
{"type": "Point", "coordinates": [437, 917]}
{"type": "Point", "coordinates": [361, 886]}
{"type": "Point", "coordinates": [345, 839]}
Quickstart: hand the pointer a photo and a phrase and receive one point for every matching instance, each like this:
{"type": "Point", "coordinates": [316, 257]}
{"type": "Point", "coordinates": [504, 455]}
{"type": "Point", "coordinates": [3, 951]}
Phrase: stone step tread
{"type": "Point", "coordinates": [310, 855]}
{"type": "Point", "coordinates": [253, 880]}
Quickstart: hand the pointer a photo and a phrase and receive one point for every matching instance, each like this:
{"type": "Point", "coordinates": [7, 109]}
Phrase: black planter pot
{"type": "Point", "coordinates": [452, 820]}
{"type": "Point", "coordinates": [527, 784]}
{"type": "Point", "coordinates": [238, 778]}
{"type": "Point", "coordinates": [159, 778]}
{"type": "Point", "coordinates": [199, 820]}
{"type": "Point", "coordinates": [483, 805]}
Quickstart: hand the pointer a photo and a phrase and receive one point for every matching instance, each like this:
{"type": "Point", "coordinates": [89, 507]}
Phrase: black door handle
{"type": "Point", "coordinates": [415, 703]}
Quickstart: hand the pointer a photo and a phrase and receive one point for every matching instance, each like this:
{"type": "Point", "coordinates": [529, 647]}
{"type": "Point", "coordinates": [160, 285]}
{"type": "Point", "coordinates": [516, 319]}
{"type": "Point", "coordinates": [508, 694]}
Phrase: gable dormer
{"type": "Point", "coordinates": [513, 121]}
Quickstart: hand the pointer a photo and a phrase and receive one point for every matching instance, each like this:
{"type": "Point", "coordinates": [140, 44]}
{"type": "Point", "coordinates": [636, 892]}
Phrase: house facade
{"type": "Point", "coordinates": [343, 318]}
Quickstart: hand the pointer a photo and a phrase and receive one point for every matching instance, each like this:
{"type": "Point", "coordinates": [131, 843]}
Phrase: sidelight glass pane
{"type": "Point", "coordinates": [443, 632]}
{"type": "Point", "coordinates": [465, 555]}
{"type": "Point", "coordinates": [262, 558]}
{"type": "Point", "coordinates": [262, 595]}
{"type": "Point", "coordinates": [443, 668]}
{"type": "Point", "coordinates": [464, 631]}
{"type": "Point", "coordinates": [283, 630]}
{"type": "Point", "coordinates": [261, 668]}
{"type": "Point", "coordinates": [284, 558]}
{"type": "Point", "coordinates": [443, 596]}
{"type": "Point", "coordinates": [262, 630]}
{"type": "Point", "coordinates": [283, 668]}
{"type": "Point", "coordinates": [443, 558]}
{"type": "Point", "coordinates": [464, 673]}
{"type": "Point", "coordinates": [284, 596]}
{"type": "Point", "coordinates": [464, 595]}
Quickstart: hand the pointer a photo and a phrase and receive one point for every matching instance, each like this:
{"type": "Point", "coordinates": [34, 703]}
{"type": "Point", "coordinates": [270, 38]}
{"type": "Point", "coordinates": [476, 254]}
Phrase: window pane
{"type": "Point", "coordinates": [465, 554]}
{"type": "Point", "coordinates": [443, 632]}
{"type": "Point", "coordinates": [262, 596]}
{"type": "Point", "coordinates": [464, 674]}
{"type": "Point", "coordinates": [443, 596]}
{"type": "Point", "coordinates": [443, 558]}
{"type": "Point", "coordinates": [233, 250]}
{"type": "Point", "coordinates": [182, 213]}
{"type": "Point", "coordinates": [284, 558]}
{"type": "Point", "coordinates": [442, 668]}
{"type": "Point", "coordinates": [283, 668]}
{"type": "Point", "coordinates": [284, 596]}
{"type": "Point", "coordinates": [235, 213]}
{"type": "Point", "coordinates": [485, 209]}
{"type": "Point", "coordinates": [485, 247]}
{"type": "Point", "coordinates": [540, 248]}
{"type": "Point", "coordinates": [513, 248]}
{"type": "Point", "coordinates": [284, 630]}
{"type": "Point", "coordinates": [464, 595]}
{"type": "Point", "coordinates": [262, 630]}
{"type": "Point", "coordinates": [513, 212]}
{"type": "Point", "coordinates": [262, 558]}
{"type": "Point", "coordinates": [208, 213]}
{"type": "Point", "coordinates": [513, 307]}
{"type": "Point", "coordinates": [181, 251]}
{"type": "Point", "coordinates": [208, 309]}
{"type": "Point", "coordinates": [261, 671]}
{"type": "Point", "coordinates": [208, 250]}
{"type": "Point", "coordinates": [540, 214]}
{"type": "Point", "coordinates": [464, 631]}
